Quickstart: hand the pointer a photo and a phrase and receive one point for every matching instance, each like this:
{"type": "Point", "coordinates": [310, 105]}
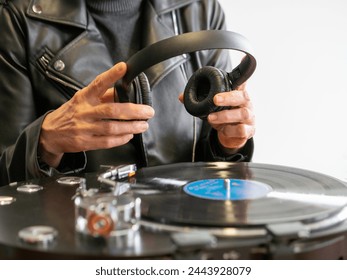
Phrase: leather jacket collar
{"type": "Point", "coordinates": [64, 12]}
{"type": "Point", "coordinates": [164, 6]}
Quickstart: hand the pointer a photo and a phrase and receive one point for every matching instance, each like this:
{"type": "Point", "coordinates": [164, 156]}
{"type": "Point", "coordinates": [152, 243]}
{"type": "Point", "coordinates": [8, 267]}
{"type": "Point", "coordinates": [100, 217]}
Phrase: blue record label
{"type": "Point", "coordinates": [227, 189]}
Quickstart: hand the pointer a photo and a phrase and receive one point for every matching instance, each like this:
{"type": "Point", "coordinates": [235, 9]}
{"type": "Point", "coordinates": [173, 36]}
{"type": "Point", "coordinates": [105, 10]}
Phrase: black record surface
{"type": "Point", "coordinates": [296, 195]}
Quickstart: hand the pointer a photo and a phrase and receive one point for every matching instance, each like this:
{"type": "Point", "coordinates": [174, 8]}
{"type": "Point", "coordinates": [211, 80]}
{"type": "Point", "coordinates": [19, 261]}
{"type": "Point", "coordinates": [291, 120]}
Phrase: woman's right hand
{"type": "Point", "coordinates": [91, 120]}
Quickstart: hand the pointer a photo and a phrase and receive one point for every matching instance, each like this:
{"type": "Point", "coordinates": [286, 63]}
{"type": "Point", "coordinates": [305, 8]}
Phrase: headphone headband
{"type": "Point", "coordinates": [192, 42]}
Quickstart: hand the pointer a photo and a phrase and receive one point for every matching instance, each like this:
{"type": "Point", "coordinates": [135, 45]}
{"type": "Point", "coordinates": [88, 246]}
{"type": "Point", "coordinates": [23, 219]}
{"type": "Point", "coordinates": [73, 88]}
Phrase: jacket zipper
{"type": "Point", "coordinates": [64, 83]}
{"type": "Point", "coordinates": [44, 62]}
{"type": "Point", "coordinates": [177, 32]}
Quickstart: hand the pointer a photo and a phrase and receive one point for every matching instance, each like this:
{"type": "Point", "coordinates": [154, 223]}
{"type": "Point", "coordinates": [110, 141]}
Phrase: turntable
{"type": "Point", "coordinates": [214, 210]}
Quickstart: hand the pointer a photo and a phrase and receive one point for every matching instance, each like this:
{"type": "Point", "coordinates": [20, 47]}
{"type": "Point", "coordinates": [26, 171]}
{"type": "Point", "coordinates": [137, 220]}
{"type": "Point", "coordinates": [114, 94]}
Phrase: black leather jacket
{"type": "Point", "coordinates": [49, 49]}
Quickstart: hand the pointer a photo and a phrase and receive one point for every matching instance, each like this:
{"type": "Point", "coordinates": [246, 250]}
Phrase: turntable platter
{"type": "Point", "coordinates": [188, 210]}
{"type": "Point", "coordinates": [269, 194]}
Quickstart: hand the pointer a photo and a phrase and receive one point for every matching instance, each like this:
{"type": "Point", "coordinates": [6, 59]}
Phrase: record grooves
{"type": "Point", "coordinates": [294, 195]}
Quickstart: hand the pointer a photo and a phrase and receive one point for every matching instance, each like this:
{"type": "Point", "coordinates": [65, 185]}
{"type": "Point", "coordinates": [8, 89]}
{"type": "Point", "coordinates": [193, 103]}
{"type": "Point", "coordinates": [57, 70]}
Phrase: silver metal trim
{"type": "Point", "coordinates": [222, 232]}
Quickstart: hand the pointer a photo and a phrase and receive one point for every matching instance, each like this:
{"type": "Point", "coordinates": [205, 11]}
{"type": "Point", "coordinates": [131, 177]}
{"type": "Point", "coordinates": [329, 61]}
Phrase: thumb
{"type": "Point", "coordinates": [106, 80]}
{"type": "Point", "coordinates": [242, 86]}
{"type": "Point", "coordinates": [180, 97]}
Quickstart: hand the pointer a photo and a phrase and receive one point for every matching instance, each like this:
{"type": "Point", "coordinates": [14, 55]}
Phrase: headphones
{"type": "Point", "coordinates": [203, 84]}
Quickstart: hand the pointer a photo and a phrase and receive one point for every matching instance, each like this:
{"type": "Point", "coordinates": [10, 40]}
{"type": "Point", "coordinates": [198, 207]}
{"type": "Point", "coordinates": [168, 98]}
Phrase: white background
{"type": "Point", "coordinates": [86, 269]}
{"type": "Point", "coordinates": [299, 88]}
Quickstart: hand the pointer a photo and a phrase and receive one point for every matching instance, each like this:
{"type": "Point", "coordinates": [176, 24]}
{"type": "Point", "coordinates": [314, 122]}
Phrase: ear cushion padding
{"type": "Point", "coordinates": [143, 90]}
{"type": "Point", "coordinates": [138, 91]}
{"type": "Point", "coordinates": [204, 84]}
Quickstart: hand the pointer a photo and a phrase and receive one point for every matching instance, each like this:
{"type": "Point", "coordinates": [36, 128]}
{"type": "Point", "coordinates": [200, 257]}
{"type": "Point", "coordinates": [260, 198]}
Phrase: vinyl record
{"type": "Point", "coordinates": [224, 194]}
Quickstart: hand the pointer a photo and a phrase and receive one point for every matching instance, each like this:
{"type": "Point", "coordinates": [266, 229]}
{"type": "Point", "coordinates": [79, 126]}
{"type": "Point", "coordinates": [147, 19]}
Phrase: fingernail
{"type": "Point", "coordinates": [143, 126]}
{"type": "Point", "coordinates": [120, 66]}
{"type": "Point", "coordinates": [212, 117]}
{"type": "Point", "coordinates": [219, 99]}
{"type": "Point", "coordinates": [148, 111]}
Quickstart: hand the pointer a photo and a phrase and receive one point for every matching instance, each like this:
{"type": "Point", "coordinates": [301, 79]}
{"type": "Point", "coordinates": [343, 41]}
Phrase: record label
{"type": "Point", "coordinates": [227, 189]}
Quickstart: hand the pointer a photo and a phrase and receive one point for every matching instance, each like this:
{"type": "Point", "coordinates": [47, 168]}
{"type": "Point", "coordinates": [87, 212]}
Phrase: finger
{"type": "Point", "coordinates": [108, 97]}
{"type": "Point", "coordinates": [242, 131]}
{"type": "Point", "coordinates": [116, 128]}
{"type": "Point", "coordinates": [95, 142]}
{"type": "Point", "coordinates": [235, 136]}
{"type": "Point", "coordinates": [107, 142]}
{"type": "Point", "coordinates": [180, 98]}
{"type": "Point", "coordinates": [105, 80]}
{"type": "Point", "coordinates": [242, 86]}
{"type": "Point", "coordinates": [118, 111]}
{"type": "Point", "coordinates": [233, 98]}
{"type": "Point", "coordinates": [232, 143]}
{"type": "Point", "coordinates": [243, 115]}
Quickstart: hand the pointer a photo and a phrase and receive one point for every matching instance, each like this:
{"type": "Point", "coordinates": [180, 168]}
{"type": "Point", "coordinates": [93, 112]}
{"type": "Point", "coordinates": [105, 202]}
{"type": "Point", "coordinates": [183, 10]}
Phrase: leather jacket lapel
{"type": "Point", "coordinates": [62, 11]}
{"type": "Point", "coordinates": [154, 31]}
{"type": "Point", "coordinates": [89, 49]}
{"type": "Point", "coordinates": [84, 58]}
{"type": "Point", "coordinates": [69, 62]}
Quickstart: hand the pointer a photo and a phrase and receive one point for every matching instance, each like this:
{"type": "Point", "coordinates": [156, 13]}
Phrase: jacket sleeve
{"type": "Point", "coordinates": [20, 162]}
{"type": "Point", "coordinates": [19, 123]}
{"type": "Point", "coordinates": [16, 99]}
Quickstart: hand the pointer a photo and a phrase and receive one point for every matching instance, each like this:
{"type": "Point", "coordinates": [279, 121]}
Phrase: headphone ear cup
{"type": "Point", "coordinates": [138, 91]}
{"type": "Point", "coordinates": [204, 84]}
{"type": "Point", "coordinates": [144, 90]}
